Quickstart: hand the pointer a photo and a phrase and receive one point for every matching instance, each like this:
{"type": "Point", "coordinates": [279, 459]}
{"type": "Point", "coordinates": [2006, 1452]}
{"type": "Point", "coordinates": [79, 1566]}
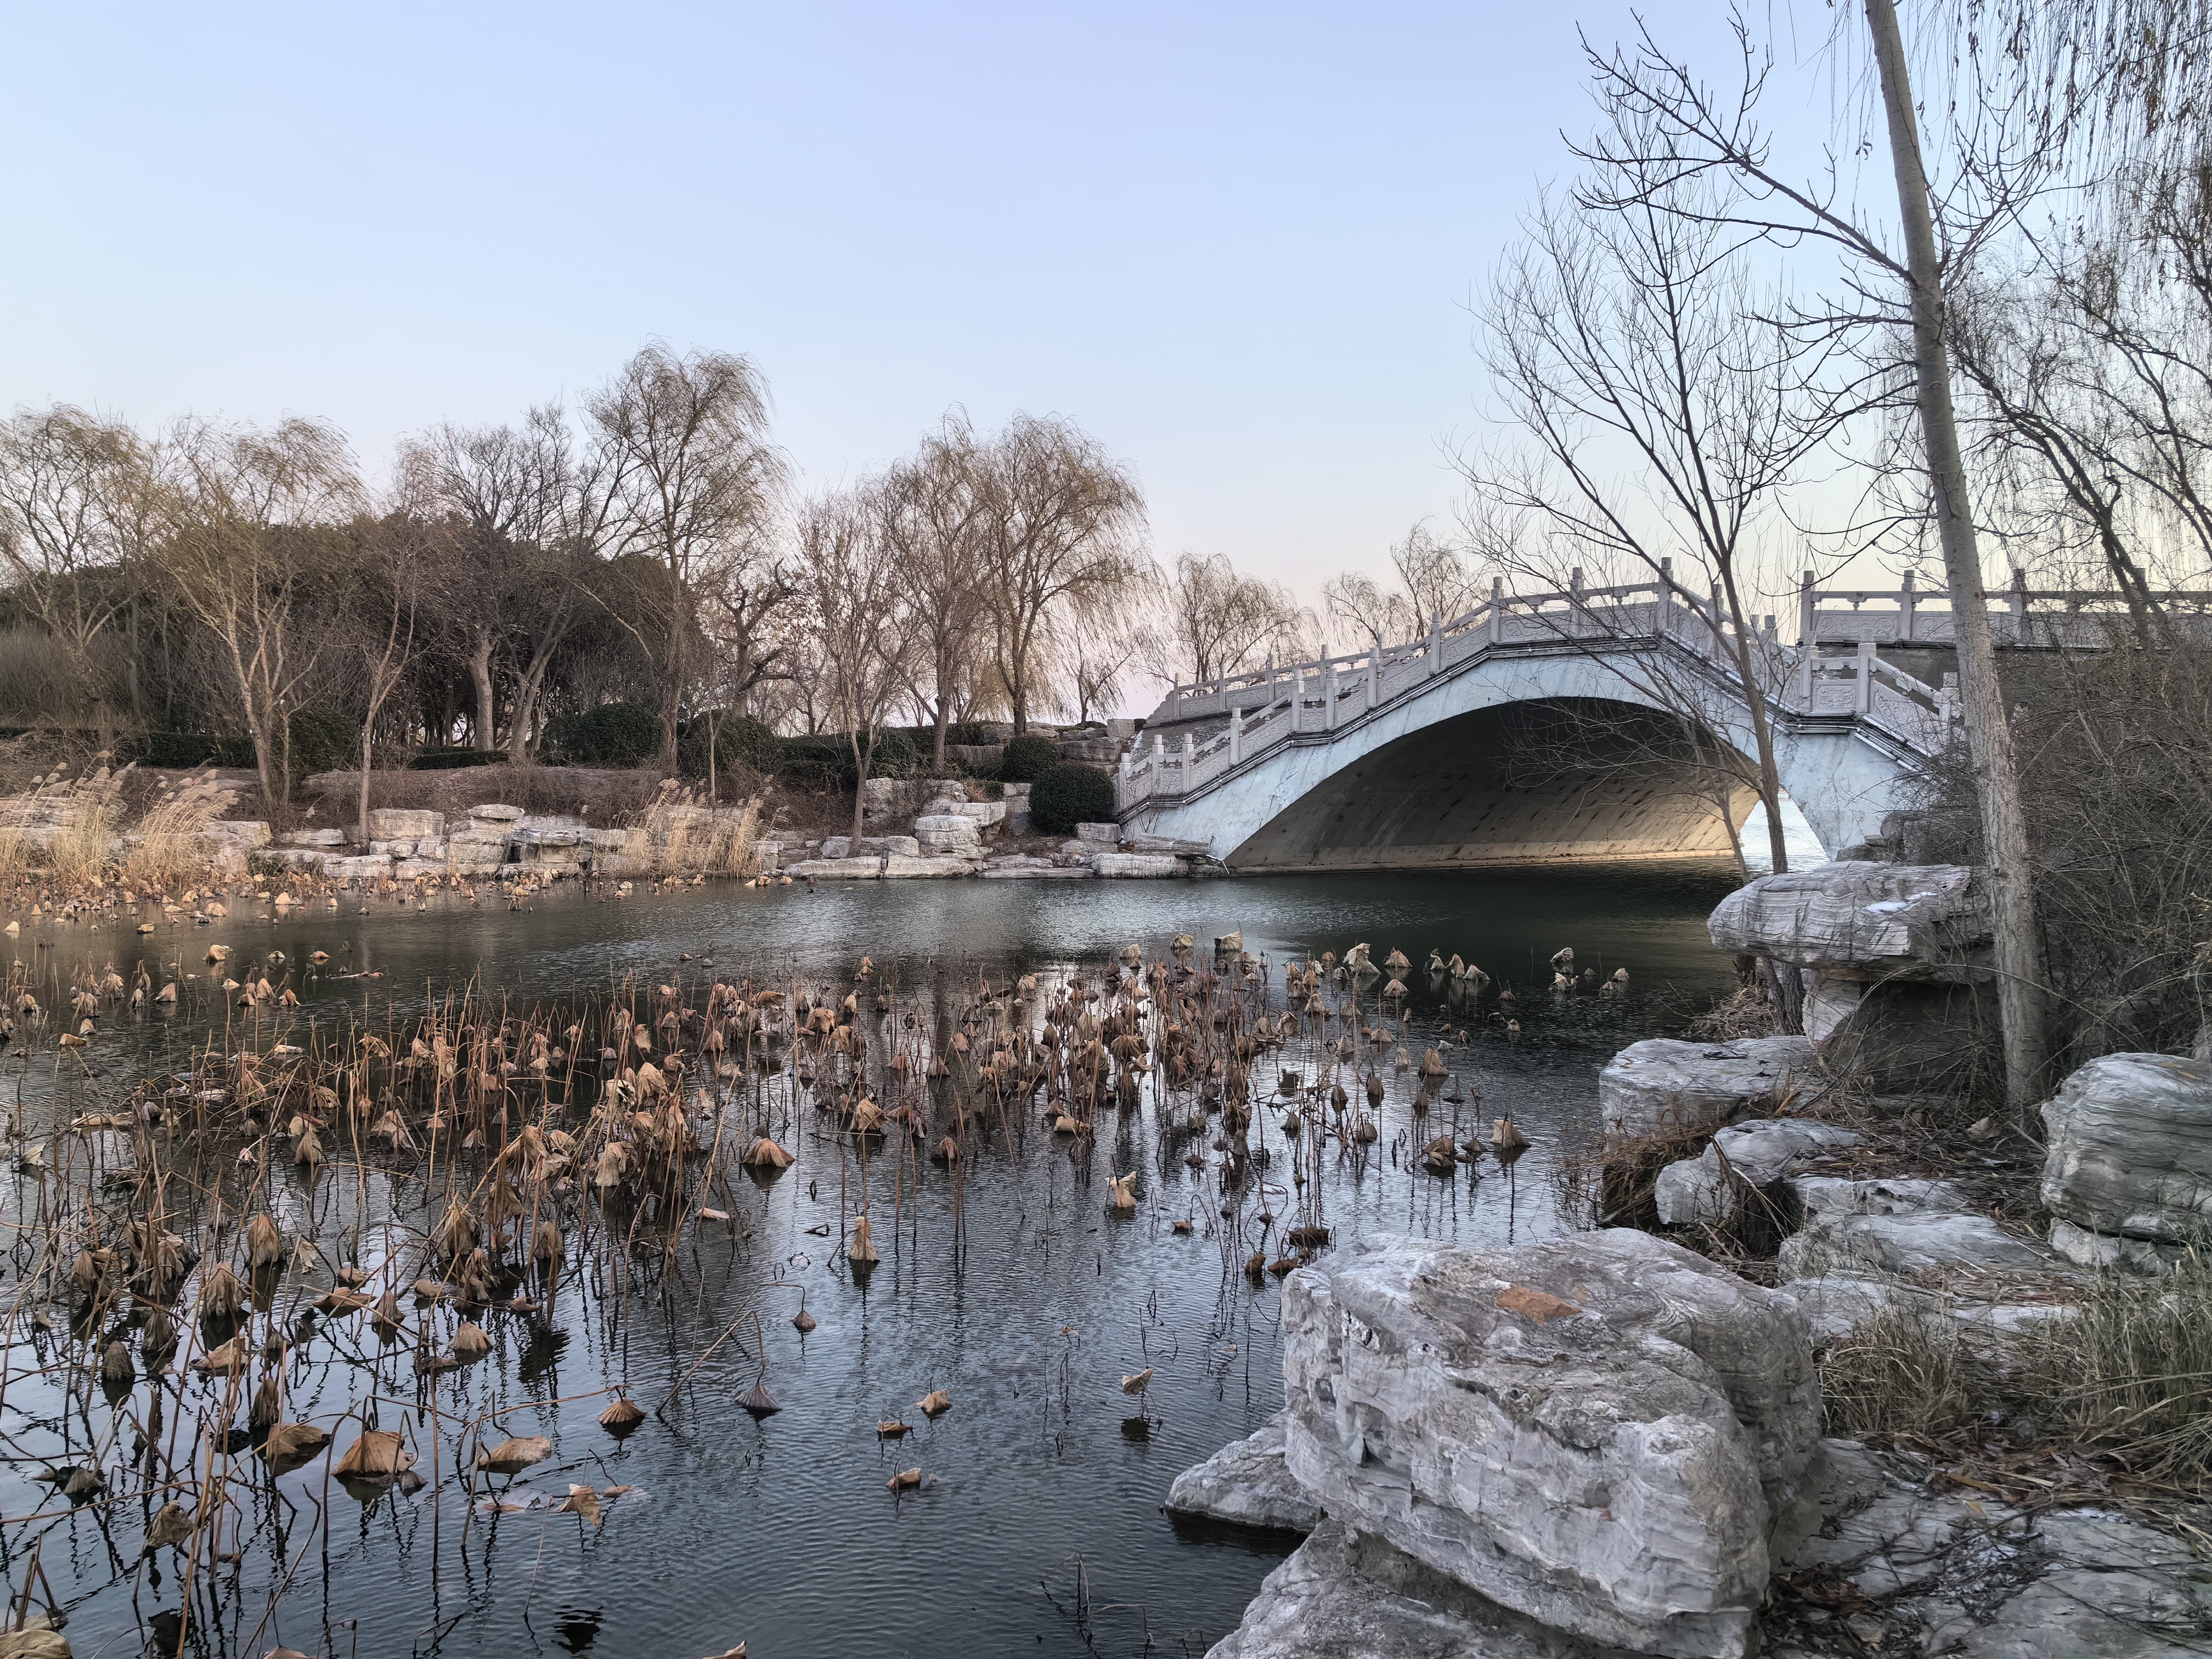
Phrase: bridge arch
{"type": "Point", "coordinates": [1260, 767]}
{"type": "Point", "coordinates": [1511, 782]}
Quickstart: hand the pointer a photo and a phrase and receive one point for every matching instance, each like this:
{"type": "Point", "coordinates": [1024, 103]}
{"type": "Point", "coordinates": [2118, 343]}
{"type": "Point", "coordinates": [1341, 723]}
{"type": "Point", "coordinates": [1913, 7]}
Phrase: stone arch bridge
{"type": "Point", "coordinates": [1420, 755]}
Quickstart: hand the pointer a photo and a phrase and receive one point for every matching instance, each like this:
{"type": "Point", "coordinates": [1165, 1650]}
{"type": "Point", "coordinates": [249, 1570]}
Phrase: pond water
{"type": "Point", "coordinates": [1011, 1288]}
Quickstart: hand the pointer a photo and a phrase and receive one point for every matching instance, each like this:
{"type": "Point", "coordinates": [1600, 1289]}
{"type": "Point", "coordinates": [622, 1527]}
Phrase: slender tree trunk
{"type": "Point", "coordinates": [860, 758]}
{"type": "Point", "coordinates": [484, 736]}
{"type": "Point", "coordinates": [2021, 996]}
{"type": "Point", "coordinates": [367, 739]}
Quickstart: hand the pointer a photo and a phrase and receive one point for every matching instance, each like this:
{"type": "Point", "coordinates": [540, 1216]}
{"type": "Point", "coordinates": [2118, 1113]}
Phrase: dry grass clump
{"type": "Point", "coordinates": [1901, 1374]}
{"type": "Point", "coordinates": [1746, 1012]}
{"type": "Point", "coordinates": [680, 834]}
{"type": "Point", "coordinates": [2132, 1372]}
{"type": "Point", "coordinates": [169, 846]}
{"type": "Point", "coordinates": [2110, 1395]}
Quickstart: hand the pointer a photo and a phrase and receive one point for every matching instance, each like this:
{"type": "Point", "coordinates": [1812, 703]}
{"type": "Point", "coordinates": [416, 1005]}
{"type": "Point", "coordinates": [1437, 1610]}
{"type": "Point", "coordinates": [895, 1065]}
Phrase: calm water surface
{"type": "Point", "coordinates": [1040, 1530]}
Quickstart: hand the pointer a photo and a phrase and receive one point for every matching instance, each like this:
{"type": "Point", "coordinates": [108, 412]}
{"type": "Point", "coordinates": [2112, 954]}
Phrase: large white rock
{"type": "Point", "coordinates": [1864, 920]}
{"type": "Point", "coordinates": [403, 824]}
{"type": "Point", "coordinates": [948, 832]}
{"type": "Point", "coordinates": [1247, 1482]}
{"type": "Point", "coordinates": [496, 812]}
{"type": "Point", "coordinates": [2129, 1155]}
{"type": "Point", "coordinates": [1707, 1190]}
{"type": "Point", "coordinates": [1605, 1432]}
{"type": "Point", "coordinates": [370, 867]}
{"type": "Point", "coordinates": [324, 837]}
{"type": "Point", "coordinates": [1909, 1242]}
{"type": "Point", "coordinates": [1348, 1595]}
{"type": "Point", "coordinates": [237, 832]}
{"type": "Point", "coordinates": [1664, 1087]}
{"type": "Point", "coordinates": [1139, 867]}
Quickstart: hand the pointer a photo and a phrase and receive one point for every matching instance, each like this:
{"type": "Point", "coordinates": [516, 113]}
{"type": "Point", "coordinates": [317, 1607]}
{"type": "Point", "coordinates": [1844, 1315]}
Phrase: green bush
{"type": "Point", "coordinates": [322, 742]}
{"type": "Point", "coordinates": [739, 741]}
{"type": "Point", "coordinates": [1028, 759]}
{"type": "Point", "coordinates": [1069, 795]}
{"type": "Point", "coordinates": [453, 760]}
{"type": "Point", "coordinates": [612, 734]}
{"type": "Point", "coordinates": [824, 761]}
{"type": "Point", "coordinates": [191, 748]}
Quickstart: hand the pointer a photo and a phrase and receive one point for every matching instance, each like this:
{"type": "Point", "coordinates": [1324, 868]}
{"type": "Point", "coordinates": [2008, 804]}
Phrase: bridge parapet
{"type": "Point", "coordinates": [1267, 709]}
{"type": "Point", "coordinates": [2021, 618]}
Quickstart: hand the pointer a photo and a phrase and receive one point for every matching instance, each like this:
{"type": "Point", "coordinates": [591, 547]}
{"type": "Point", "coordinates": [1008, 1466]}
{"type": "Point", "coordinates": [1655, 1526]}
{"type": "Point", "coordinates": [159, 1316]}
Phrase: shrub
{"type": "Point", "coordinates": [970, 733]}
{"type": "Point", "coordinates": [1029, 759]}
{"type": "Point", "coordinates": [322, 742]}
{"type": "Point", "coordinates": [612, 734]}
{"type": "Point", "coordinates": [1069, 795]}
{"type": "Point", "coordinates": [824, 761]}
{"type": "Point", "coordinates": [181, 751]}
{"type": "Point", "coordinates": [740, 741]}
{"type": "Point", "coordinates": [452, 760]}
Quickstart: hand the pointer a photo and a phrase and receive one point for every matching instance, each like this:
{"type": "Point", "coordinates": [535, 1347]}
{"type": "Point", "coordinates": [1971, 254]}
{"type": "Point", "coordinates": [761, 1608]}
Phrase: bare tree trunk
{"type": "Point", "coordinates": [367, 738]}
{"type": "Point", "coordinates": [485, 736]}
{"type": "Point", "coordinates": [2021, 996]}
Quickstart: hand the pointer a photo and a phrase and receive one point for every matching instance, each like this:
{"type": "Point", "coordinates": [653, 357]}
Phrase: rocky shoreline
{"type": "Point", "coordinates": [1610, 1443]}
{"type": "Point", "coordinates": [945, 836]}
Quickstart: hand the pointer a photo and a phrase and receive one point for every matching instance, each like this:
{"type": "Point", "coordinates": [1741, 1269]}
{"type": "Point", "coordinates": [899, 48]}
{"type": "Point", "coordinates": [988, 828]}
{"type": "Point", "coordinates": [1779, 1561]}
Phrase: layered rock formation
{"type": "Point", "coordinates": [1606, 1433]}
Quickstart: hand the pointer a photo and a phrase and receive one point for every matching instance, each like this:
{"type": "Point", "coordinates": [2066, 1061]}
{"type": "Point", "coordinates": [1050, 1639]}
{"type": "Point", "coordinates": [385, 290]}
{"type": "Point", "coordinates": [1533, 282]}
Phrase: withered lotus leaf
{"type": "Point", "coordinates": [289, 1446]}
{"type": "Point", "coordinates": [515, 1454]}
{"type": "Point", "coordinates": [379, 1455]}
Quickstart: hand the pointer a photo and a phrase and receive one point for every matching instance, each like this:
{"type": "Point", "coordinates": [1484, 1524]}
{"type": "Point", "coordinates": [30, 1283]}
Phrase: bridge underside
{"type": "Point", "coordinates": [1577, 778]}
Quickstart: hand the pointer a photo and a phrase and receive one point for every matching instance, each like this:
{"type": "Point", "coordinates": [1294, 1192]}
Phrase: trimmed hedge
{"type": "Point", "coordinates": [322, 742]}
{"type": "Point", "coordinates": [454, 760]}
{"type": "Point", "coordinates": [612, 734]}
{"type": "Point", "coordinates": [824, 761]}
{"type": "Point", "coordinates": [739, 741]}
{"type": "Point", "coordinates": [1069, 795]}
{"type": "Point", "coordinates": [187, 749]}
{"type": "Point", "coordinates": [1029, 758]}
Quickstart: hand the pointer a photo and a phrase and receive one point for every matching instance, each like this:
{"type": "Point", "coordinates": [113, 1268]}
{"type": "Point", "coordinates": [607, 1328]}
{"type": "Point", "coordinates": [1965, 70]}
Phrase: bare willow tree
{"type": "Point", "coordinates": [1220, 621]}
{"type": "Point", "coordinates": [934, 512]}
{"type": "Point", "coordinates": [1062, 533]}
{"type": "Point", "coordinates": [2089, 393]}
{"type": "Point", "coordinates": [692, 483]}
{"type": "Point", "coordinates": [75, 504]}
{"type": "Point", "coordinates": [385, 609]}
{"type": "Point", "coordinates": [1433, 582]}
{"type": "Point", "coordinates": [518, 516]}
{"type": "Point", "coordinates": [237, 556]}
{"type": "Point", "coordinates": [1659, 421]}
{"type": "Point", "coordinates": [865, 642]}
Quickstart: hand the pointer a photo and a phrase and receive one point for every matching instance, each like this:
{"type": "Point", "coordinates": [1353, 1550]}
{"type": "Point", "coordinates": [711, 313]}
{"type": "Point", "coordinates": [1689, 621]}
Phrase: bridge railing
{"type": "Point", "coordinates": [1833, 670]}
{"type": "Point", "coordinates": [2021, 616]}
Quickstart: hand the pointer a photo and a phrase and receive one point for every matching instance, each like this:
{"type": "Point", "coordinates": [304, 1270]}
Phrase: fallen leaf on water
{"type": "Point", "coordinates": [905, 1478]}
{"type": "Point", "coordinates": [582, 1500]}
{"type": "Point", "coordinates": [1534, 1304]}
{"type": "Point", "coordinates": [890, 1428]}
{"type": "Point", "coordinates": [935, 1403]}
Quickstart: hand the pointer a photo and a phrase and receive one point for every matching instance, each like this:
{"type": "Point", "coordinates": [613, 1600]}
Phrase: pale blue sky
{"type": "Point", "coordinates": [1235, 242]}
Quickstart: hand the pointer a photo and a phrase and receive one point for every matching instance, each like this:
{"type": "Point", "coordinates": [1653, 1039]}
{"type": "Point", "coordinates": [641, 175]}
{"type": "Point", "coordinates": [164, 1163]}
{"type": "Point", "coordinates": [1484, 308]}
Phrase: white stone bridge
{"type": "Point", "coordinates": [1432, 754]}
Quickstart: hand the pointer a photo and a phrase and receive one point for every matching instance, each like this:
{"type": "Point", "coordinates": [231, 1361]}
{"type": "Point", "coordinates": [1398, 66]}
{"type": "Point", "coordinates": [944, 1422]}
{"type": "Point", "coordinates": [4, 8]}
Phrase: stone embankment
{"type": "Point", "coordinates": [952, 835]}
{"type": "Point", "coordinates": [1608, 1444]}
{"type": "Point", "coordinates": [405, 843]}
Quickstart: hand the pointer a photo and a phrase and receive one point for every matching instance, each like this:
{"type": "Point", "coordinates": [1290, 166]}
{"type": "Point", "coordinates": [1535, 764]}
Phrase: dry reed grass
{"type": "Point", "coordinates": [680, 834]}
{"type": "Point", "coordinates": [62, 826]}
{"type": "Point", "coordinates": [169, 846]}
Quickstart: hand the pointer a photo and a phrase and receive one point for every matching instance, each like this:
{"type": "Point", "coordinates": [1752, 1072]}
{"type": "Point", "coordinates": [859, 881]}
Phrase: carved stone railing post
{"type": "Point", "coordinates": [1497, 610]}
{"type": "Point", "coordinates": [1236, 736]}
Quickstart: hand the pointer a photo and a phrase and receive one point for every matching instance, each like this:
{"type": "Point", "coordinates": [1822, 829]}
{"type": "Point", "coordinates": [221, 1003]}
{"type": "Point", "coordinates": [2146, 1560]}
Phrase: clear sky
{"type": "Point", "coordinates": [1237, 243]}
